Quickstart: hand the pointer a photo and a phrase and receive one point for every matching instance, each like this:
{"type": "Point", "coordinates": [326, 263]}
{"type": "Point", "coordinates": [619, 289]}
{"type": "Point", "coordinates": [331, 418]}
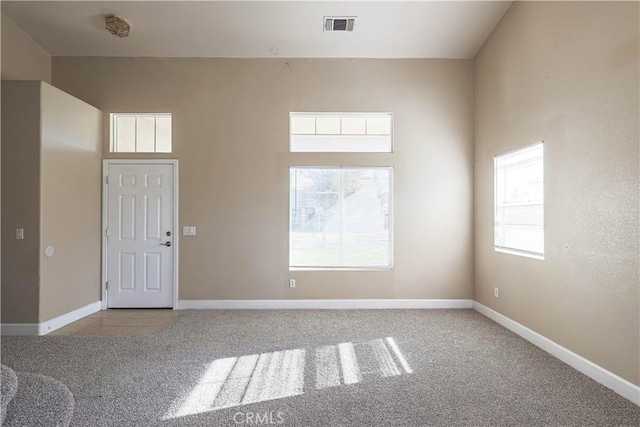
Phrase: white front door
{"type": "Point", "coordinates": [140, 235]}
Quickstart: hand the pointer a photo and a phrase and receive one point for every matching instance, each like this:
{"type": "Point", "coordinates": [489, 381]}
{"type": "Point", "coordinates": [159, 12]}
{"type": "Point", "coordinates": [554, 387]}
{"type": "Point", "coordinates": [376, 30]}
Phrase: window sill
{"type": "Point", "coordinates": [340, 268]}
{"type": "Point", "coordinates": [519, 253]}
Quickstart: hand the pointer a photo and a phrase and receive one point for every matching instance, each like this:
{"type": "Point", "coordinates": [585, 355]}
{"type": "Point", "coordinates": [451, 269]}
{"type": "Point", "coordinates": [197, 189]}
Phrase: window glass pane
{"type": "Point", "coordinates": [519, 201]}
{"type": "Point", "coordinates": [366, 218]}
{"type": "Point", "coordinates": [353, 126]}
{"type": "Point", "coordinates": [328, 125]}
{"type": "Point", "coordinates": [125, 130]}
{"type": "Point", "coordinates": [340, 218]}
{"type": "Point", "coordinates": [145, 134]}
{"type": "Point", "coordinates": [379, 125]}
{"type": "Point", "coordinates": [315, 217]}
{"type": "Point", "coordinates": [340, 132]}
{"type": "Point", "coordinates": [141, 133]}
{"type": "Point", "coordinates": [340, 144]}
{"type": "Point", "coordinates": [163, 134]}
{"type": "Point", "coordinates": [303, 125]}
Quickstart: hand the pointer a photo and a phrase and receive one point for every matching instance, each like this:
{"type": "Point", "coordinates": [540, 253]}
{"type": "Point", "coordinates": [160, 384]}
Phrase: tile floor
{"type": "Point", "coordinates": [120, 322]}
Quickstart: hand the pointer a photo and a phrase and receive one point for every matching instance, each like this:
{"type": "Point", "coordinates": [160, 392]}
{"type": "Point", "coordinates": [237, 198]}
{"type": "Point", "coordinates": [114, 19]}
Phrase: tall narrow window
{"type": "Point", "coordinates": [140, 133]}
{"type": "Point", "coordinates": [519, 201]}
{"type": "Point", "coordinates": [341, 217]}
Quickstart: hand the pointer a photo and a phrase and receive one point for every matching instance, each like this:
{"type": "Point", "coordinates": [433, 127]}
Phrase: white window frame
{"type": "Point", "coordinates": [391, 222]}
{"type": "Point", "coordinates": [343, 115]}
{"type": "Point", "coordinates": [506, 249]}
{"type": "Point", "coordinates": [113, 130]}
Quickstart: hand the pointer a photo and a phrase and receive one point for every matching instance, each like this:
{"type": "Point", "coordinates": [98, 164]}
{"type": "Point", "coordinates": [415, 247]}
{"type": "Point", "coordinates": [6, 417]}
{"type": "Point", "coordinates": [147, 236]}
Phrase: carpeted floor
{"type": "Point", "coordinates": [319, 368]}
{"type": "Point", "coordinates": [40, 401]}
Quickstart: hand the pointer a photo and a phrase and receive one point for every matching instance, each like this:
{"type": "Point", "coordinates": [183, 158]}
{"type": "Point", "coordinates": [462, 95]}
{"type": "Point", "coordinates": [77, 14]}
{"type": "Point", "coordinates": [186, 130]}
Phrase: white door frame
{"type": "Point", "coordinates": [105, 207]}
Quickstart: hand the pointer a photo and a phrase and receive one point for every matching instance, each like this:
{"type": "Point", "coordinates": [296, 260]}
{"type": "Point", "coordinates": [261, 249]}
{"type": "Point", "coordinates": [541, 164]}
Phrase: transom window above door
{"type": "Point", "coordinates": [140, 133]}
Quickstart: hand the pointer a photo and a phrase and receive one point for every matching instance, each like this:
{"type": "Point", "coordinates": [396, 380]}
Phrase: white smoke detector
{"type": "Point", "coordinates": [339, 23]}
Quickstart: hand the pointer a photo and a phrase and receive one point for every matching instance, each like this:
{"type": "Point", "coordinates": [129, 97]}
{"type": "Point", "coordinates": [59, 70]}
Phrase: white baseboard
{"type": "Point", "coordinates": [324, 304]}
{"type": "Point", "coordinates": [33, 329]}
{"type": "Point", "coordinates": [608, 379]}
{"type": "Point", "coordinates": [70, 317]}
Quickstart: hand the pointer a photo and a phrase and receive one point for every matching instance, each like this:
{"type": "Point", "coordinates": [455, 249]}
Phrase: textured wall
{"type": "Point", "coordinates": [71, 183]}
{"type": "Point", "coordinates": [231, 138]}
{"type": "Point", "coordinates": [20, 201]}
{"type": "Point", "coordinates": [51, 186]}
{"type": "Point", "coordinates": [566, 73]}
{"type": "Point", "coordinates": [22, 57]}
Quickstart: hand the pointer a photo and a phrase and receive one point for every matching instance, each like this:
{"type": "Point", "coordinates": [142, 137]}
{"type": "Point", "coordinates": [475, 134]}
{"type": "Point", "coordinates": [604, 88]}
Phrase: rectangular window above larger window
{"type": "Point", "coordinates": [140, 133]}
{"type": "Point", "coordinates": [519, 201]}
{"type": "Point", "coordinates": [341, 132]}
{"type": "Point", "coordinates": [341, 218]}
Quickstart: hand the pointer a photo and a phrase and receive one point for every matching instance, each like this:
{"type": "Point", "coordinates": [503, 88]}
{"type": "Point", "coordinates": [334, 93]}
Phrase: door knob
{"type": "Point", "coordinates": [165, 244]}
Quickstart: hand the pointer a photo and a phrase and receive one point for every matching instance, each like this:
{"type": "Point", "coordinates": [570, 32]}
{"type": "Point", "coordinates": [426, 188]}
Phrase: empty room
{"type": "Point", "coordinates": [320, 213]}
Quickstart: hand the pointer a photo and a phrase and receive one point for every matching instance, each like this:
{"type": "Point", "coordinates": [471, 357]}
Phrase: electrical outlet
{"type": "Point", "coordinates": [496, 292]}
{"type": "Point", "coordinates": [292, 283]}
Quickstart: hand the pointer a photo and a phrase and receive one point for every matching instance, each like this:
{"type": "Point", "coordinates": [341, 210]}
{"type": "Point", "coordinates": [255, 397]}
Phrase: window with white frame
{"type": "Point", "coordinates": [341, 218]}
{"type": "Point", "coordinates": [140, 133]}
{"type": "Point", "coordinates": [341, 132]}
{"type": "Point", "coordinates": [519, 201]}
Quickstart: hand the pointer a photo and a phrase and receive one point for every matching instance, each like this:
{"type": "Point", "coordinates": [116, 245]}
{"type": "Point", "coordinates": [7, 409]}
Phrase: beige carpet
{"type": "Point", "coordinates": [320, 368]}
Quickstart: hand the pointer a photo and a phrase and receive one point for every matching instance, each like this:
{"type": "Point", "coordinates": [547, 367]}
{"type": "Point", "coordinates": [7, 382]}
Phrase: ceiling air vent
{"type": "Point", "coordinates": [343, 23]}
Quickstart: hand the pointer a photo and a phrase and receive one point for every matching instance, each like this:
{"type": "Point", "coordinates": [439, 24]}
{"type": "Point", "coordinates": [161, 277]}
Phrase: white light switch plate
{"type": "Point", "coordinates": [19, 233]}
{"type": "Point", "coordinates": [189, 230]}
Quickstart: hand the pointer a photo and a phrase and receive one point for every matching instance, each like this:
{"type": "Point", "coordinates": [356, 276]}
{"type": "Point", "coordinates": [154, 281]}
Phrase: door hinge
{"type": "Point", "coordinates": [106, 285]}
{"type": "Point", "coordinates": [107, 232]}
{"type": "Point", "coordinates": [107, 179]}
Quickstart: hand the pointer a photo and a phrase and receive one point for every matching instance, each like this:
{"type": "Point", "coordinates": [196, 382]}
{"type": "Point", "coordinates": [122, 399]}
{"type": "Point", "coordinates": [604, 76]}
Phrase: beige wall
{"type": "Point", "coordinates": [22, 57]}
{"type": "Point", "coordinates": [566, 73]}
{"type": "Point", "coordinates": [20, 201]}
{"type": "Point", "coordinates": [51, 186]}
{"type": "Point", "coordinates": [231, 138]}
{"type": "Point", "coordinates": [70, 182]}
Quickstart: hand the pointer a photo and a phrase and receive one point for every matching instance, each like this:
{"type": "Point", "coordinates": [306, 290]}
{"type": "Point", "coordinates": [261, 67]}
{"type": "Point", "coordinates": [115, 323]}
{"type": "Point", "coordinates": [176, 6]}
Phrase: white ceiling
{"type": "Point", "coordinates": [259, 29]}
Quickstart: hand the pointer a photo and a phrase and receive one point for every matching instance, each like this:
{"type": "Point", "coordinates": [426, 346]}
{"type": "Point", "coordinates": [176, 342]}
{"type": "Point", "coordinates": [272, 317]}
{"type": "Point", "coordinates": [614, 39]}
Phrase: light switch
{"type": "Point", "coordinates": [189, 230]}
{"type": "Point", "coordinates": [19, 233]}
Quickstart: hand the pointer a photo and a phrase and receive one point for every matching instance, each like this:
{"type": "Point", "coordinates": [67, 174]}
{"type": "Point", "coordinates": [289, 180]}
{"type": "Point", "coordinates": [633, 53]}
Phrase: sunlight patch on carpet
{"type": "Point", "coordinates": [349, 363]}
{"type": "Point", "coordinates": [236, 381]}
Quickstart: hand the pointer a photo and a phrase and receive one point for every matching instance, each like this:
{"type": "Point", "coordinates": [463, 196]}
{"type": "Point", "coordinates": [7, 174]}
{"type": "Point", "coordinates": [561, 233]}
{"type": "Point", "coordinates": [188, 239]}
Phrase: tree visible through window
{"type": "Point", "coordinates": [340, 217]}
